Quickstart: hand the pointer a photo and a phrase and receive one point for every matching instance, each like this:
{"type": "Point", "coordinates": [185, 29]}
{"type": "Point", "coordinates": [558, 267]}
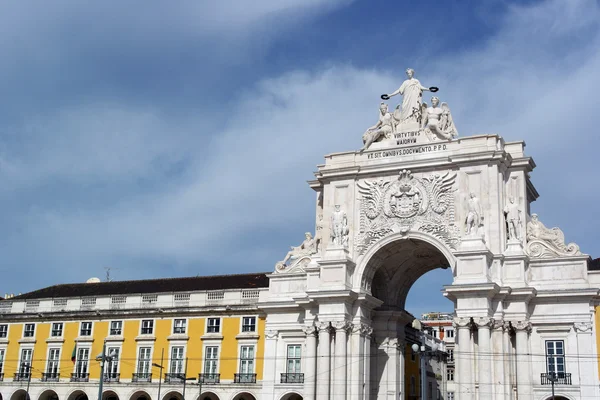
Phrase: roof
{"type": "Point", "coordinates": [594, 265]}
{"type": "Point", "coordinates": [188, 284]}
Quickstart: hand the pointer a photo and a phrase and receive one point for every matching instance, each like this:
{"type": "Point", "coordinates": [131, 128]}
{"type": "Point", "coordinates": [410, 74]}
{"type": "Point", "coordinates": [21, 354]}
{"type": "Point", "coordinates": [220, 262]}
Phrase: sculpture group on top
{"type": "Point", "coordinates": [412, 115]}
{"type": "Point", "coordinates": [544, 242]}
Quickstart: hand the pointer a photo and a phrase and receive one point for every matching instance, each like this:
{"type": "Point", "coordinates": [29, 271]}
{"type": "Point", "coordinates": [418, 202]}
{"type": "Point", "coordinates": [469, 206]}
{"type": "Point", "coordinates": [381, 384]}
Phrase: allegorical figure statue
{"type": "Point", "coordinates": [339, 227]}
{"type": "Point", "coordinates": [474, 215]}
{"type": "Point", "coordinates": [307, 248]}
{"type": "Point", "coordinates": [382, 129]}
{"type": "Point", "coordinates": [412, 94]}
{"type": "Point", "coordinates": [513, 219]}
{"type": "Point", "coordinates": [552, 239]}
{"type": "Point", "coordinates": [438, 120]}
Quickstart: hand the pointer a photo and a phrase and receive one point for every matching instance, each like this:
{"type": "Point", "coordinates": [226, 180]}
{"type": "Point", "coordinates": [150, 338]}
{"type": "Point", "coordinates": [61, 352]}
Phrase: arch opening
{"type": "Point", "coordinates": [291, 396]}
{"type": "Point", "coordinates": [20, 394]}
{"type": "Point", "coordinates": [110, 395]}
{"type": "Point", "coordinates": [140, 395]}
{"type": "Point", "coordinates": [78, 395]}
{"type": "Point", "coordinates": [244, 396]}
{"type": "Point", "coordinates": [208, 396]}
{"type": "Point", "coordinates": [48, 395]}
{"type": "Point", "coordinates": [173, 395]}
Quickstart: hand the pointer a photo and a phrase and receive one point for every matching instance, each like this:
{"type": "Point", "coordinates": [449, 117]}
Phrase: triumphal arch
{"type": "Point", "coordinates": [418, 196]}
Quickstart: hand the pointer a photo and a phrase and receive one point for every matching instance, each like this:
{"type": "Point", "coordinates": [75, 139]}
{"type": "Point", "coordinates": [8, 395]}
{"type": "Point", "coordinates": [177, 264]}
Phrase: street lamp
{"type": "Point", "coordinates": [424, 353]}
{"type": "Point", "coordinates": [102, 358]}
{"type": "Point", "coordinates": [28, 367]}
{"type": "Point", "coordinates": [553, 378]}
{"type": "Point", "coordinates": [160, 366]}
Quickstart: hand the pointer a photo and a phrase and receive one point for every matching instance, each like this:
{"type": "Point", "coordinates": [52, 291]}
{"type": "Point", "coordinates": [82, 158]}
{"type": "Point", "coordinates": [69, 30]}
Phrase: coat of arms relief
{"type": "Point", "coordinates": [407, 203]}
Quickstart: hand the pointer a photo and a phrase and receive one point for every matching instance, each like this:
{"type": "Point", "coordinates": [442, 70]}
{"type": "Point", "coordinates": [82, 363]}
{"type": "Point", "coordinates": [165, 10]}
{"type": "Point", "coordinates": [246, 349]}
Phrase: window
{"type": "Point", "coordinates": [147, 326]}
{"type": "Point", "coordinates": [555, 356]}
{"type": "Point", "coordinates": [112, 367]}
{"type": "Point", "coordinates": [3, 330]}
{"type": "Point", "coordinates": [52, 366]}
{"type": "Point", "coordinates": [450, 374]}
{"type": "Point", "coordinates": [1, 361]}
{"type": "Point", "coordinates": [82, 362]}
{"type": "Point", "coordinates": [450, 395]}
{"type": "Point", "coordinates": [85, 329]}
{"type": "Point", "coordinates": [57, 329]}
{"type": "Point", "coordinates": [116, 328]}
{"type": "Point", "coordinates": [176, 366]}
{"type": "Point", "coordinates": [211, 359]}
{"type": "Point", "coordinates": [214, 325]}
{"type": "Point", "coordinates": [450, 334]}
{"type": "Point", "coordinates": [25, 363]}
{"type": "Point", "coordinates": [450, 355]}
{"type": "Point", "coordinates": [144, 360]}
{"type": "Point", "coordinates": [249, 324]}
{"type": "Point", "coordinates": [294, 352]}
{"type": "Point", "coordinates": [179, 326]}
{"type": "Point", "coordinates": [29, 330]}
{"type": "Point", "coordinates": [247, 360]}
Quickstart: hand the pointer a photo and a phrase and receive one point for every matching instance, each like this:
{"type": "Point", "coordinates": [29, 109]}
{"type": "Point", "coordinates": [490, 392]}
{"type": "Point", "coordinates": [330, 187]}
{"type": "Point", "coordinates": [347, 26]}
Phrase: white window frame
{"type": "Point", "coordinates": [110, 328]}
{"type": "Point", "coordinates": [555, 356]}
{"type": "Point", "coordinates": [77, 359]}
{"type": "Point", "coordinates": [220, 325]}
{"type": "Point", "coordinates": [34, 329]}
{"type": "Point", "coordinates": [112, 363]}
{"type": "Point", "coordinates": [217, 360]}
{"type": "Point", "coordinates": [2, 355]}
{"type": "Point", "coordinates": [138, 360]}
{"type": "Point", "coordinates": [5, 332]}
{"type": "Point", "coordinates": [81, 328]}
{"type": "Point", "coordinates": [20, 369]}
{"type": "Point", "coordinates": [449, 334]}
{"type": "Point", "coordinates": [288, 358]}
{"type": "Point", "coordinates": [174, 327]}
{"type": "Point", "coordinates": [450, 395]}
{"type": "Point", "coordinates": [142, 327]}
{"type": "Point", "coordinates": [255, 324]}
{"type": "Point", "coordinates": [62, 329]}
{"type": "Point", "coordinates": [450, 355]}
{"type": "Point", "coordinates": [241, 360]}
{"type": "Point", "coordinates": [450, 374]}
{"type": "Point", "coordinates": [56, 361]}
{"type": "Point", "coordinates": [182, 359]}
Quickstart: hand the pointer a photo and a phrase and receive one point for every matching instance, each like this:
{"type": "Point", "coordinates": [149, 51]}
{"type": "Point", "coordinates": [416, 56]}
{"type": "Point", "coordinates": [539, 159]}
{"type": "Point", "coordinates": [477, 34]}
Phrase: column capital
{"type": "Point", "coordinates": [271, 333]}
{"type": "Point", "coordinates": [499, 325]}
{"type": "Point", "coordinates": [324, 326]}
{"type": "Point", "coordinates": [366, 330]}
{"type": "Point", "coordinates": [461, 322]}
{"type": "Point", "coordinates": [310, 330]}
{"type": "Point", "coordinates": [484, 322]}
{"type": "Point", "coordinates": [522, 326]}
{"type": "Point", "coordinates": [581, 327]}
{"type": "Point", "coordinates": [341, 325]}
{"type": "Point", "coordinates": [507, 326]}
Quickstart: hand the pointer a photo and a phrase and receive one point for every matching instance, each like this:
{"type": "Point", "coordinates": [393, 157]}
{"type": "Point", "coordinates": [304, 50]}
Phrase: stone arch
{"type": "Point", "coordinates": [110, 394]}
{"type": "Point", "coordinates": [172, 395]}
{"type": "Point", "coordinates": [77, 394]}
{"type": "Point", "coordinates": [394, 264]}
{"type": "Point", "coordinates": [208, 396]}
{"type": "Point", "coordinates": [140, 395]}
{"type": "Point", "coordinates": [19, 394]}
{"type": "Point", "coordinates": [48, 394]}
{"type": "Point", "coordinates": [291, 396]}
{"type": "Point", "coordinates": [556, 397]}
{"type": "Point", "coordinates": [370, 260]}
{"type": "Point", "coordinates": [243, 396]}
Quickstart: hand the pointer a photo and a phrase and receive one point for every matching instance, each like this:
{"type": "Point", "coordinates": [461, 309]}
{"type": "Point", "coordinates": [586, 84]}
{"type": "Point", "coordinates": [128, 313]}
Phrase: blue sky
{"type": "Point", "coordinates": [171, 139]}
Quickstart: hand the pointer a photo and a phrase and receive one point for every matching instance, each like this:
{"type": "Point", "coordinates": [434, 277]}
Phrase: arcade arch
{"type": "Point", "coordinates": [110, 395]}
{"type": "Point", "coordinates": [19, 394]}
{"type": "Point", "coordinates": [140, 395]}
{"type": "Point", "coordinates": [291, 396]}
{"type": "Point", "coordinates": [208, 396]}
{"type": "Point", "coordinates": [78, 395]}
{"type": "Point", "coordinates": [244, 396]}
{"type": "Point", "coordinates": [48, 395]}
{"type": "Point", "coordinates": [173, 395]}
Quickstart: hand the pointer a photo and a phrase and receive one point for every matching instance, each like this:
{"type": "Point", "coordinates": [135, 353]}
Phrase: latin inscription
{"type": "Point", "coordinates": [407, 151]}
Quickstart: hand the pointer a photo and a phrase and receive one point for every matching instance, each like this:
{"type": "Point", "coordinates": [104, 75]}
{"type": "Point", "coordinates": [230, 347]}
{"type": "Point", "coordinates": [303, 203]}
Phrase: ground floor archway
{"type": "Point", "coordinates": [172, 395]}
{"type": "Point", "coordinates": [244, 396]}
{"type": "Point", "coordinates": [208, 396]}
{"type": "Point", "coordinates": [291, 396]}
{"type": "Point", "coordinates": [110, 395]}
{"type": "Point", "coordinates": [48, 395]}
{"type": "Point", "coordinates": [78, 395]}
{"type": "Point", "coordinates": [140, 395]}
{"type": "Point", "coordinates": [19, 394]}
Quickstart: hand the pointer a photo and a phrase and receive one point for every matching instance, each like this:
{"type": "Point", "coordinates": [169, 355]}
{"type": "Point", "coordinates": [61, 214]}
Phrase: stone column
{"type": "Point", "coordinates": [310, 365]}
{"type": "Point", "coordinates": [508, 360]}
{"type": "Point", "coordinates": [485, 357]}
{"type": "Point", "coordinates": [523, 372]}
{"type": "Point", "coordinates": [499, 356]}
{"type": "Point", "coordinates": [270, 368]}
{"type": "Point", "coordinates": [463, 354]}
{"type": "Point", "coordinates": [324, 367]}
{"type": "Point", "coordinates": [367, 332]}
{"type": "Point", "coordinates": [356, 359]}
{"type": "Point", "coordinates": [340, 360]}
{"type": "Point", "coordinates": [587, 370]}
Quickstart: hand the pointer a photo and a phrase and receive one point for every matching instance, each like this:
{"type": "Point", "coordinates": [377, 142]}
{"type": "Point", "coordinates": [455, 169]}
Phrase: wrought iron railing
{"type": "Point", "coordinates": [80, 377]}
{"type": "Point", "coordinates": [141, 377]}
{"type": "Point", "coordinates": [174, 378]}
{"type": "Point", "coordinates": [295, 377]}
{"type": "Point", "coordinates": [50, 376]}
{"type": "Point", "coordinates": [21, 376]}
{"type": "Point", "coordinates": [111, 377]}
{"type": "Point", "coordinates": [559, 378]}
{"type": "Point", "coordinates": [244, 378]}
{"type": "Point", "coordinates": [209, 378]}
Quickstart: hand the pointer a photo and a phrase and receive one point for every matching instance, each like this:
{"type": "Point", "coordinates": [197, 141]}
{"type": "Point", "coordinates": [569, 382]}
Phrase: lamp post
{"type": "Point", "coordinates": [185, 378]}
{"type": "Point", "coordinates": [102, 358]}
{"type": "Point", "coordinates": [28, 367]}
{"type": "Point", "coordinates": [553, 378]}
{"type": "Point", "coordinates": [160, 366]}
{"type": "Point", "coordinates": [423, 354]}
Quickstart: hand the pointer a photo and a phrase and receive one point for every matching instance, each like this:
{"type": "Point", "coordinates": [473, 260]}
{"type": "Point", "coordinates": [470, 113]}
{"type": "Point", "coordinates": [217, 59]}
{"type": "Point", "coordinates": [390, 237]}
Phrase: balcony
{"type": "Point", "coordinates": [1, 376]}
{"type": "Point", "coordinates": [111, 377]}
{"type": "Point", "coordinates": [21, 376]}
{"type": "Point", "coordinates": [50, 376]}
{"type": "Point", "coordinates": [244, 378]}
{"type": "Point", "coordinates": [174, 378]}
{"type": "Point", "coordinates": [209, 378]}
{"type": "Point", "coordinates": [559, 378]}
{"type": "Point", "coordinates": [80, 377]}
{"type": "Point", "coordinates": [142, 377]}
{"type": "Point", "coordinates": [292, 378]}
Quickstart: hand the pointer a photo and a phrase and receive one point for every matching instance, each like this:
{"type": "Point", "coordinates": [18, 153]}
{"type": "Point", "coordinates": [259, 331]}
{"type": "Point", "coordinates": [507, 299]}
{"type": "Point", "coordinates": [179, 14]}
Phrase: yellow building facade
{"type": "Point", "coordinates": [206, 331]}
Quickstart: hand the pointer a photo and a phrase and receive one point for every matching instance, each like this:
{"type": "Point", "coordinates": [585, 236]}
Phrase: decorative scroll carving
{"type": "Point", "coordinates": [484, 322]}
{"type": "Point", "coordinates": [582, 326]}
{"type": "Point", "coordinates": [522, 326]}
{"type": "Point", "coordinates": [407, 203]}
{"type": "Point", "coordinates": [324, 326]}
{"type": "Point", "coordinates": [545, 243]}
{"type": "Point", "coordinates": [341, 325]}
{"type": "Point", "coordinates": [461, 322]}
{"type": "Point", "coordinates": [271, 333]}
{"type": "Point", "coordinates": [300, 255]}
{"type": "Point", "coordinates": [498, 324]}
{"type": "Point", "coordinates": [309, 330]}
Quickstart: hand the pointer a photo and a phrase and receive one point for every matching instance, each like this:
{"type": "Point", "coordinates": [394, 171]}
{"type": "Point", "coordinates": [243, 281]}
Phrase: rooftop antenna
{"type": "Point", "coordinates": [107, 269]}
